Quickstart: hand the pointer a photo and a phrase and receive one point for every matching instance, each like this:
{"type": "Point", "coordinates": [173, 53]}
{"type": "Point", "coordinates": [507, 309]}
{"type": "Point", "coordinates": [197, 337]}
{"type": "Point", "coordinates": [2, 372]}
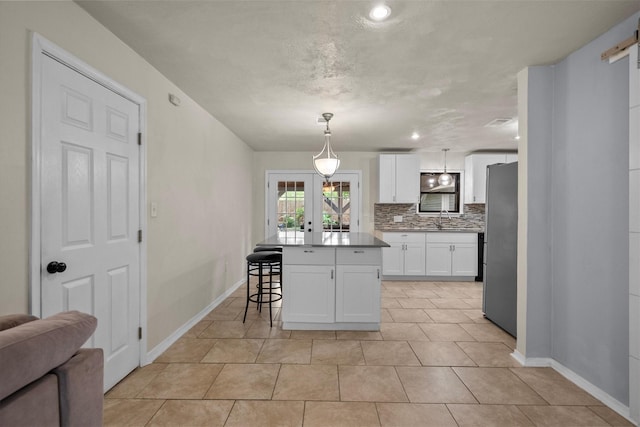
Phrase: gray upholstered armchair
{"type": "Point", "coordinates": [46, 379]}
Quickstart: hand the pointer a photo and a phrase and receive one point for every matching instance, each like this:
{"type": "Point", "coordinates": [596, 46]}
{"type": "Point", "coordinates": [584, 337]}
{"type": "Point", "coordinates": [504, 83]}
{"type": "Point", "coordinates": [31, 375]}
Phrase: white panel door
{"type": "Point", "coordinates": [90, 213]}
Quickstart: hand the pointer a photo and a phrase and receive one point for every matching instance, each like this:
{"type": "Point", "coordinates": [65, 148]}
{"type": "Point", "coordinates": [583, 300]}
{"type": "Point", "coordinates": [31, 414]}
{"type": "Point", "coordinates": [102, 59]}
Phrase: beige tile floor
{"type": "Point", "coordinates": [435, 362]}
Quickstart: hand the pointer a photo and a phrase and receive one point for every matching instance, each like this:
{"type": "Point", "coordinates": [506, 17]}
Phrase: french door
{"type": "Point", "coordinates": [301, 202]}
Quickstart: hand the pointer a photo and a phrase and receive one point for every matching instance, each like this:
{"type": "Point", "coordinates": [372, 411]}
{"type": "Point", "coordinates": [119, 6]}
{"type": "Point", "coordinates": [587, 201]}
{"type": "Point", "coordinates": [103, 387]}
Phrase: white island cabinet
{"type": "Point", "coordinates": [358, 285]}
{"type": "Point", "coordinates": [311, 296]}
{"type": "Point", "coordinates": [331, 281]}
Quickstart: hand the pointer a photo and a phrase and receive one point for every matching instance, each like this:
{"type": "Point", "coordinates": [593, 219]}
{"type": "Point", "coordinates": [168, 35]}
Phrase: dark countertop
{"type": "Point", "coordinates": [328, 239]}
{"type": "Point", "coordinates": [430, 230]}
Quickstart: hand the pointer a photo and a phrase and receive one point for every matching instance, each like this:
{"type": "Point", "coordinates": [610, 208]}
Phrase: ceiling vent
{"type": "Point", "coordinates": [499, 122]}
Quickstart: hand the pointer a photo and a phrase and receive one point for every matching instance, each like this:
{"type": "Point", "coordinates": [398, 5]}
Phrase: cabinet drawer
{"type": "Point", "coordinates": [358, 256]}
{"type": "Point", "coordinates": [403, 237]}
{"type": "Point", "coordinates": [308, 256]}
{"type": "Point", "coordinates": [452, 237]}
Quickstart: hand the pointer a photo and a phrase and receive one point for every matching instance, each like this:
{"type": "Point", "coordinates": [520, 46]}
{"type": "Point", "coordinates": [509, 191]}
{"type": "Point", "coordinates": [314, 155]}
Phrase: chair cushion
{"type": "Point", "coordinates": [265, 256]}
{"type": "Point", "coordinates": [267, 249]}
{"type": "Point", "coordinates": [30, 350]}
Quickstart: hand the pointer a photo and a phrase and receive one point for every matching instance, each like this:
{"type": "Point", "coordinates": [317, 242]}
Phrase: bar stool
{"type": "Point", "coordinates": [265, 265]}
{"type": "Point", "coordinates": [276, 268]}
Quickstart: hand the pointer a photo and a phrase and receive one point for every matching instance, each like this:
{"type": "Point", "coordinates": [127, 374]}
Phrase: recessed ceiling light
{"type": "Point", "coordinates": [380, 12]}
{"type": "Point", "coordinates": [415, 135]}
{"type": "Point", "coordinates": [517, 137]}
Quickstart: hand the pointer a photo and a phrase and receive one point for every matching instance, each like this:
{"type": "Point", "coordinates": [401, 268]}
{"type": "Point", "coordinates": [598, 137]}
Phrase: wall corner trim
{"type": "Point", "coordinates": [598, 393]}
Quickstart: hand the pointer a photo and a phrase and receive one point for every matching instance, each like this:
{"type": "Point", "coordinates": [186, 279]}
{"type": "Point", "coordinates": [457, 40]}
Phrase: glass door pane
{"type": "Point", "coordinates": [337, 203]}
{"type": "Point", "coordinates": [290, 208]}
{"type": "Point", "coordinates": [336, 206]}
{"type": "Point", "coordinates": [289, 205]}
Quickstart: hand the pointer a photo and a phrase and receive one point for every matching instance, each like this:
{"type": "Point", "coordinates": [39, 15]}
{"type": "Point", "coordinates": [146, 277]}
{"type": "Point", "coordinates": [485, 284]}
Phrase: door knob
{"type": "Point", "coordinates": [56, 267]}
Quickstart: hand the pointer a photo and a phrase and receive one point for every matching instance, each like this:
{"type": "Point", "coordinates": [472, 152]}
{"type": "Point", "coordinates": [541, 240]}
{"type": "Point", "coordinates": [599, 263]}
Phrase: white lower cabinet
{"type": "Point", "coordinates": [452, 254]}
{"type": "Point", "coordinates": [309, 293]}
{"type": "Point", "coordinates": [331, 287]}
{"type": "Point", "coordinates": [405, 256]}
{"type": "Point", "coordinates": [358, 285]}
{"type": "Point", "coordinates": [438, 259]}
{"type": "Point", "coordinates": [464, 259]}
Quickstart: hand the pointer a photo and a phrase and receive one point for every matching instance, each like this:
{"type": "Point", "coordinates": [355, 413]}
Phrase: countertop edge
{"type": "Point", "coordinates": [429, 230]}
{"type": "Point", "coordinates": [320, 240]}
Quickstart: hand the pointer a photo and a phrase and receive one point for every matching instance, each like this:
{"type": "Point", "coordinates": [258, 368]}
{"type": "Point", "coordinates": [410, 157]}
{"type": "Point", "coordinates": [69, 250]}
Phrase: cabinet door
{"type": "Point", "coordinates": [358, 293]}
{"type": "Point", "coordinates": [308, 293]}
{"type": "Point", "coordinates": [468, 179]}
{"type": "Point", "coordinates": [387, 178]}
{"type": "Point", "coordinates": [478, 175]}
{"type": "Point", "coordinates": [393, 259]}
{"type": "Point", "coordinates": [438, 259]}
{"type": "Point", "coordinates": [414, 259]}
{"type": "Point", "coordinates": [407, 178]}
{"type": "Point", "coordinates": [464, 259]}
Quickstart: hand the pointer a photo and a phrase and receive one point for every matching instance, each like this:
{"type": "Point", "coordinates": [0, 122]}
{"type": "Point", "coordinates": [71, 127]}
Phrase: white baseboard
{"type": "Point", "coordinates": [167, 342]}
{"type": "Point", "coordinates": [595, 391]}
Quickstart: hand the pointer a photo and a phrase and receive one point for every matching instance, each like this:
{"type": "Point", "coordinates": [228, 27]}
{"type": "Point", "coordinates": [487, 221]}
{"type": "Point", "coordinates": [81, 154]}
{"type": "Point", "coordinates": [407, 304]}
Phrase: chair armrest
{"type": "Point", "coordinates": [32, 349]}
{"type": "Point", "coordinates": [12, 320]}
{"type": "Point", "coordinates": [80, 383]}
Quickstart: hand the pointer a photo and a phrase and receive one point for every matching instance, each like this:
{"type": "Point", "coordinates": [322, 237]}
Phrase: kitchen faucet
{"type": "Point", "coordinates": [439, 223]}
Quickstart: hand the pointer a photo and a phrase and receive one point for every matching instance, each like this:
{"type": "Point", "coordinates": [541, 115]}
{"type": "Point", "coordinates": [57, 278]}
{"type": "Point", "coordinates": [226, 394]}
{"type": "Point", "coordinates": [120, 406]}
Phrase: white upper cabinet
{"type": "Point", "coordinates": [475, 173]}
{"type": "Point", "coordinates": [399, 178]}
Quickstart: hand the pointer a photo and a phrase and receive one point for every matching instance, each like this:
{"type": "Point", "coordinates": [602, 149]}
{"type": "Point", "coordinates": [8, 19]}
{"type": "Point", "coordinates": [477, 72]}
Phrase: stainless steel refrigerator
{"type": "Point", "coordinates": [501, 246]}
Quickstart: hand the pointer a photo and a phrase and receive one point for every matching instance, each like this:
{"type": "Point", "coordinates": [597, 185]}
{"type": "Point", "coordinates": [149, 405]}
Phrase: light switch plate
{"type": "Point", "coordinates": [154, 209]}
{"type": "Point", "coordinates": [397, 218]}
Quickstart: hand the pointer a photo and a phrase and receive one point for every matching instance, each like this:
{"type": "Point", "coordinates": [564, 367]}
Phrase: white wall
{"type": "Point", "coordinates": [586, 153]}
{"type": "Point", "coordinates": [199, 172]}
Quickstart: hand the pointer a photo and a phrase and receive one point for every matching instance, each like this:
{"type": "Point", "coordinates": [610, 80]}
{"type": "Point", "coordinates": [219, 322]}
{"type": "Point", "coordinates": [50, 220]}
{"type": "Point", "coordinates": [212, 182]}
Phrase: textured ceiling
{"type": "Point", "coordinates": [269, 69]}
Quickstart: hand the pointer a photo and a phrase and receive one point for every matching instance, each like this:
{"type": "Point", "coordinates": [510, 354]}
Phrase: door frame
{"type": "Point", "coordinates": [41, 46]}
{"type": "Point", "coordinates": [269, 172]}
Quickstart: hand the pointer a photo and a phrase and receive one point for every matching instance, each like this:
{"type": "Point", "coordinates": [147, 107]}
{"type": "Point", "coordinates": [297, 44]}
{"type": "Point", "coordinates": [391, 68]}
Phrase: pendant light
{"type": "Point", "coordinates": [326, 162]}
{"type": "Point", "coordinates": [445, 179]}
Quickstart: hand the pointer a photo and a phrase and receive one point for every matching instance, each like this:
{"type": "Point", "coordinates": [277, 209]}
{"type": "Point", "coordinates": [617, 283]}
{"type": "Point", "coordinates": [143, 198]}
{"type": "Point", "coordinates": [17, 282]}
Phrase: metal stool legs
{"type": "Point", "coordinates": [263, 265]}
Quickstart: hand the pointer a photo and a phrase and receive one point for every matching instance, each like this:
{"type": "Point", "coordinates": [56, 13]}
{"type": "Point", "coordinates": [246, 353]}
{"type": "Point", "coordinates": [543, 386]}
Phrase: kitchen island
{"type": "Point", "coordinates": [330, 280]}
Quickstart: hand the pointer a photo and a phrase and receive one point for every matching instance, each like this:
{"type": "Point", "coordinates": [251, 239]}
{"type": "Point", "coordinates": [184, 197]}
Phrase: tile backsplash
{"type": "Point", "coordinates": [473, 217]}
